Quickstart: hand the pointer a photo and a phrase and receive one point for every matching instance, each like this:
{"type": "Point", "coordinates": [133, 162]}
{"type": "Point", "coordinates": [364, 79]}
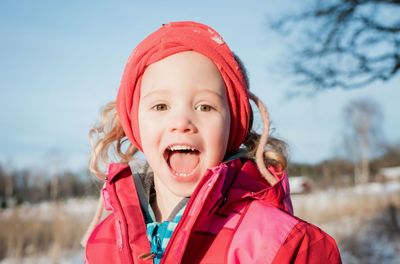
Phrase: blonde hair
{"type": "Point", "coordinates": [108, 136]}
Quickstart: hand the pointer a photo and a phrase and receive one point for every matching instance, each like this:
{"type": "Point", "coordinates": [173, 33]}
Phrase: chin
{"type": "Point", "coordinates": [184, 188]}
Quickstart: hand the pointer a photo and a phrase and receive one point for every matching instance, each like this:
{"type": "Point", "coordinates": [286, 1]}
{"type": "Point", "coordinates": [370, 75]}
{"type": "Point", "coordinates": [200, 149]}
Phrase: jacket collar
{"type": "Point", "coordinates": [245, 183]}
{"type": "Point", "coordinates": [243, 180]}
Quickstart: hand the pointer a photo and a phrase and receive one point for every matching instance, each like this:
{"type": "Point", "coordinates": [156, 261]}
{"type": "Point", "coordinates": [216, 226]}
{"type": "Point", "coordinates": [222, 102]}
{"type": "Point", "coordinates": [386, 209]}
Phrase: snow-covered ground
{"type": "Point", "coordinates": [67, 257]}
{"type": "Point", "coordinates": [76, 212]}
{"type": "Point", "coordinates": [45, 210]}
{"type": "Point", "coordinates": [365, 220]}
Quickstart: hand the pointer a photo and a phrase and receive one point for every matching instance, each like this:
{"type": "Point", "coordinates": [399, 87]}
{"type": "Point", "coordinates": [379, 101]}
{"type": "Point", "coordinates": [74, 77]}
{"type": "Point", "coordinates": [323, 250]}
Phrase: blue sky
{"type": "Point", "coordinates": [62, 60]}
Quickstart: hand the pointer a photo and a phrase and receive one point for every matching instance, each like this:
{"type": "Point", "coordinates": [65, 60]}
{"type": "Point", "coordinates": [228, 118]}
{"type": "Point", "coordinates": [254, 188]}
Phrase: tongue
{"type": "Point", "coordinates": [183, 162]}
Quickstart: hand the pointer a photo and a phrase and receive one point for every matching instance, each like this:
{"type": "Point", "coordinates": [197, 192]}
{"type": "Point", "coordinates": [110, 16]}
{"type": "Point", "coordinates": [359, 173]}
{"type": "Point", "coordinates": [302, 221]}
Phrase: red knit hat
{"type": "Point", "coordinates": [173, 38]}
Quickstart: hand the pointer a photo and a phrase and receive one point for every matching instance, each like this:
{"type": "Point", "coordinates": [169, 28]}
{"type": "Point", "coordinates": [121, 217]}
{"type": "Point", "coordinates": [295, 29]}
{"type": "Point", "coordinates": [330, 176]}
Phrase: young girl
{"type": "Point", "coordinates": [214, 191]}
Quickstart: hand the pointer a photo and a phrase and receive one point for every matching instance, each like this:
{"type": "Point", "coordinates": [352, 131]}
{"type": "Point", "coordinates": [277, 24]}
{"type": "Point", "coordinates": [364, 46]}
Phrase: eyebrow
{"type": "Point", "coordinates": [212, 92]}
{"type": "Point", "coordinates": [165, 91]}
{"type": "Point", "coordinates": [162, 91]}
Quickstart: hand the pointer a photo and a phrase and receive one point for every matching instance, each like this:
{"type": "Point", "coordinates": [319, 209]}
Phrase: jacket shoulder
{"type": "Point", "coordinates": [268, 234]}
{"type": "Point", "coordinates": [262, 231]}
{"type": "Point", "coordinates": [307, 243]}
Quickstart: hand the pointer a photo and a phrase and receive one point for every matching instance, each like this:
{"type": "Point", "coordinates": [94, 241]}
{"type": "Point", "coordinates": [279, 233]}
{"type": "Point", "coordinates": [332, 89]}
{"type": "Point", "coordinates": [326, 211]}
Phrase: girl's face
{"type": "Point", "coordinates": [184, 120]}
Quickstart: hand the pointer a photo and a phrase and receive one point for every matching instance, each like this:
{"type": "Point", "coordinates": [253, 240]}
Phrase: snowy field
{"type": "Point", "coordinates": [67, 257]}
{"type": "Point", "coordinates": [363, 220]}
{"type": "Point", "coordinates": [52, 231]}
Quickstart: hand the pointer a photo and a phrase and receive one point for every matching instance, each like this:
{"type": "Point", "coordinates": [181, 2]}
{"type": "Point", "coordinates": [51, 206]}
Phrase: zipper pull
{"type": "Point", "coordinates": [147, 256]}
{"type": "Point", "coordinates": [222, 202]}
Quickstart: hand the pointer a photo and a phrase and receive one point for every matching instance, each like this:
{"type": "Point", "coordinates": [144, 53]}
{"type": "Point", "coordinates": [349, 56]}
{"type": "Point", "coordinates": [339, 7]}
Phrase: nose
{"type": "Point", "coordinates": [182, 123]}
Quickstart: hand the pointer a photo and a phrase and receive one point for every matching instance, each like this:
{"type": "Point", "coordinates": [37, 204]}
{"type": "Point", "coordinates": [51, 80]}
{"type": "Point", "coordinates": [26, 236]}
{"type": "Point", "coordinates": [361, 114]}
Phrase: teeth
{"type": "Point", "coordinates": [181, 147]}
{"type": "Point", "coordinates": [182, 174]}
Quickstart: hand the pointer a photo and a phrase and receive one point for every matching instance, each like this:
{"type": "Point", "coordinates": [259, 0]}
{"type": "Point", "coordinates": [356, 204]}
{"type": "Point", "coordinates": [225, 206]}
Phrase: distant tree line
{"type": "Point", "coordinates": [24, 185]}
{"type": "Point", "coordinates": [339, 172]}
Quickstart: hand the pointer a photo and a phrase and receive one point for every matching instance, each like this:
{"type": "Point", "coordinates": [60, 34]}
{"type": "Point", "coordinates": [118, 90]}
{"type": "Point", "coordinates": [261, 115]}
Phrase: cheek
{"type": "Point", "coordinates": [147, 132]}
{"type": "Point", "coordinates": [141, 125]}
{"type": "Point", "coordinates": [221, 134]}
{"type": "Point", "coordinates": [227, 126]}
{"type": "Point", "coordinates": [226, 132]}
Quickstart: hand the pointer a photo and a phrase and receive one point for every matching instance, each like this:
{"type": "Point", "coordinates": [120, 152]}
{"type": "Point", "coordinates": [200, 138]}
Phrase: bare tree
{"type": "Point", "coordinates": [344, 43]}
{"type": "Point", "coordinates": [55, 158]}
{"type": "Point", "coordinates": [362, 135]}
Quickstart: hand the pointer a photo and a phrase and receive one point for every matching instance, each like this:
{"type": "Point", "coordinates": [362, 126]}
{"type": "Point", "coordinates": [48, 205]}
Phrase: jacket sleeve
{"type": "Point", "coordinates": [307, 243]}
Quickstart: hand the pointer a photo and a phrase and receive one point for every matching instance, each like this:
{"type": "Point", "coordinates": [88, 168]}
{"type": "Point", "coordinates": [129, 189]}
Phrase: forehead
{"type": "Point", "coordinates": [187, 68]}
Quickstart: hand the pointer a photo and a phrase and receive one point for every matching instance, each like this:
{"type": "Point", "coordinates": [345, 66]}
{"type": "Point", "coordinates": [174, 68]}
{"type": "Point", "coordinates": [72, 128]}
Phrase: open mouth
{"type": "Point", "coordinates": [182, 159]}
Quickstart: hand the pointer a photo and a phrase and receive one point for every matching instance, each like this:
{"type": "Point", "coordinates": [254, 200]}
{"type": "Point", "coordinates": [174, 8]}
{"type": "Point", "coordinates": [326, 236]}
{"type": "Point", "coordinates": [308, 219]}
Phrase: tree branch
{"type": "Point", "coordinates": [348, 43]}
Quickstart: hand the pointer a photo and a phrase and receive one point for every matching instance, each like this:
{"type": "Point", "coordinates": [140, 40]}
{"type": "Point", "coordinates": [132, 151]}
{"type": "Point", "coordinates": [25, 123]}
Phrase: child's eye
{"type": "Point", "coordinates": [204, 108]}
{"type": "Point", "coordinates": [160, 107]}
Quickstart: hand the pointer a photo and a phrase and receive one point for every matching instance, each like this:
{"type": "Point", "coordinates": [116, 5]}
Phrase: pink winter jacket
{"type": "Point", "coordinates": [233, 216]}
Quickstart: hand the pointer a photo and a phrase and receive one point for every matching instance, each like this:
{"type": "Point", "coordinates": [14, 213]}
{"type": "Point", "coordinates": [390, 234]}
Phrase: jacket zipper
{"type": "Point", "coordinates": [207, 186]}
